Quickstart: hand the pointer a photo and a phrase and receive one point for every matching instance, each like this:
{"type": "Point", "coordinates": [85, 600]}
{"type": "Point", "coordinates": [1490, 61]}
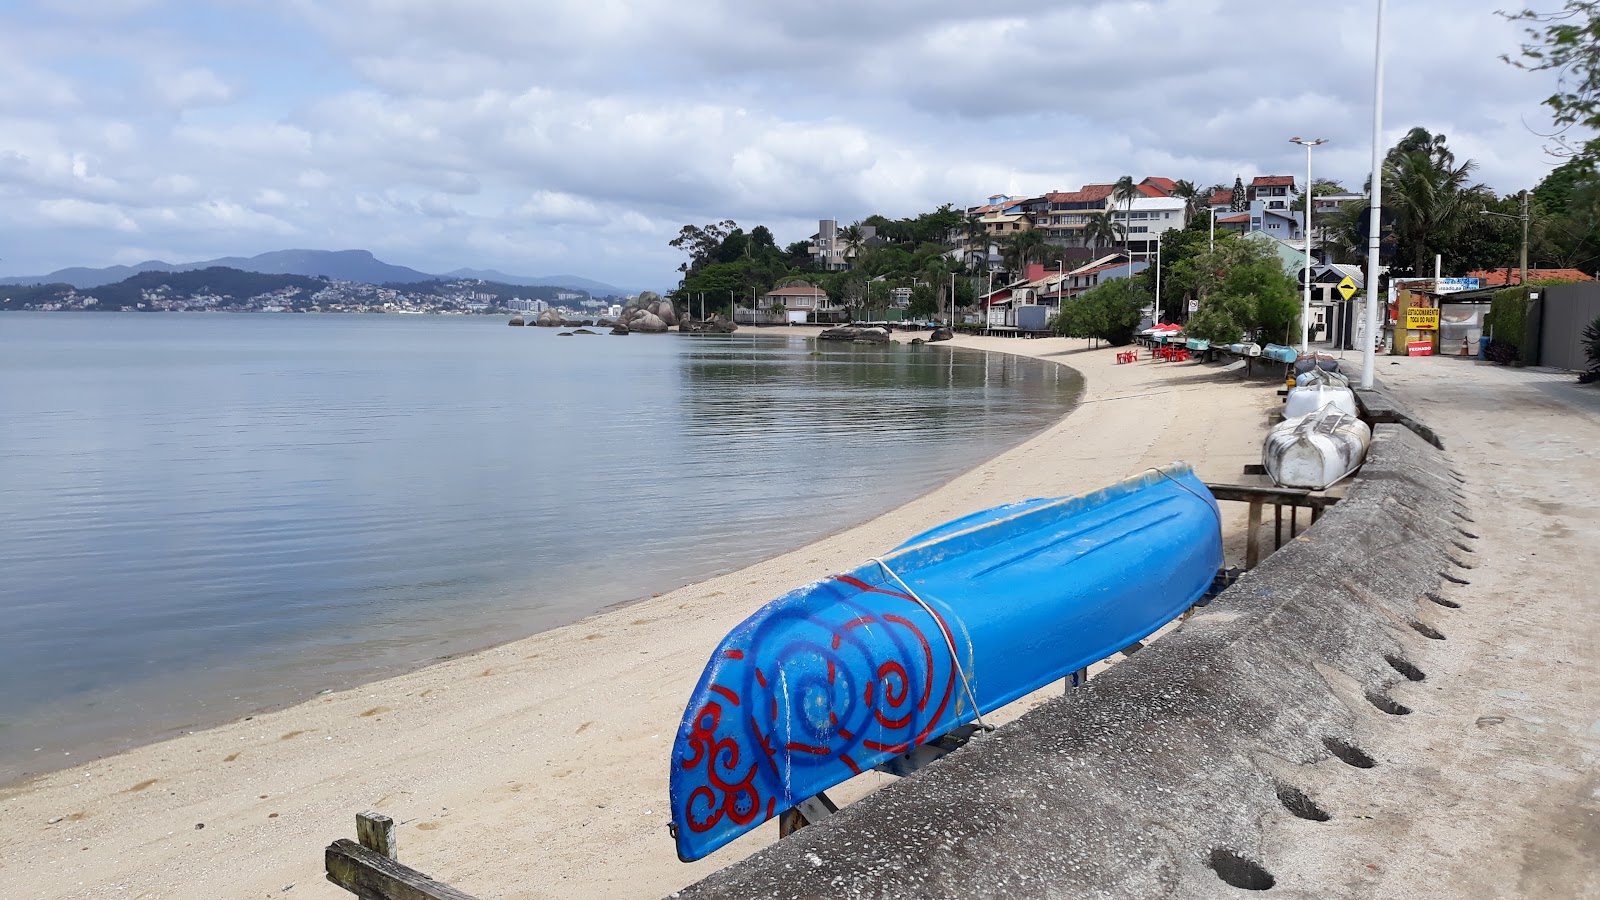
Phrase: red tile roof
{"type": "Point", "coordinates": [1229, 220]}
{"type": "Point", "coordinates": [1089, 194]}
{"type": "Point", "coordinates": [1150, 190]}
{"type": "Point", "coordinates": [1164, 185]}
{"type": "Point", "coordinates": [1221, 197]}
{"type": "Point", "coordinates": [1273, 181]}
{"type": "Point", "coordinates": [1500, 278]}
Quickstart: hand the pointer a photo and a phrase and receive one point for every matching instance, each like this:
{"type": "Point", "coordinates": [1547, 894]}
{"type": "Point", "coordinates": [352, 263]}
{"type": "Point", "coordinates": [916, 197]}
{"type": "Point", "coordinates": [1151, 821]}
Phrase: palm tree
{"type": "Point", "coordinates": [1431, 198]}
{"type": "Point", "coordinates": [978, 239]}
{"type": "Point", "coordinates": [853, 238]}
{"type": "Point", "coordinates": [1100, 228]}
{"type": "Point", "coordinates": [1190, 195]}
{"type": "Point", "coordinates": [1020, 248]}
{"type": "Point", "coordinates": [1123, 192]}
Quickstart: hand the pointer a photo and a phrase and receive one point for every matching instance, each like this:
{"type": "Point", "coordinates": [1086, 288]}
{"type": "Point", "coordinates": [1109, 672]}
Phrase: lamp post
{"type": "Point", "coordinates": [1368, 353]}
{"type": "Point", "coordinates": [1305, 311]}
{"type": "Point", "coordinates": [1213, 229]}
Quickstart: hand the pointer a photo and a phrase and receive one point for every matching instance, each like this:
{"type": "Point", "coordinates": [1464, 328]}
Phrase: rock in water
{"type": "Point", "coordinates": [940, 334]}
{"type": "Point", "coordinates": [516, 320]}
{"type": "Point", "coordinates": [584, 331]}
{"type": "Point", "coordinates": [649, 323]}
{"type": "Point", "coordinates": [549, 319]}
{"type": "Point", "coordinates": [619, 328]}
{"type": "Point", "coordinates": [858, 335]}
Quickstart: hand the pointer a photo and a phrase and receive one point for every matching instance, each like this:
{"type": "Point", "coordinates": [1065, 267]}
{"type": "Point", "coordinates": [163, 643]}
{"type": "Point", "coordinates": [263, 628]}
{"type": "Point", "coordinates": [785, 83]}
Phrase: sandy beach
{"type": "Point", "coordinates": [538, 768]}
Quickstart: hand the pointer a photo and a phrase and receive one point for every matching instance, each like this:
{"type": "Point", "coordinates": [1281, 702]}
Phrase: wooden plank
{"type": "Point", "coordinates": [374, 877]}
{"type": "Point", "coordinates": [375, 832]}
{"type": "Point", "coordinates": [1252, 493]}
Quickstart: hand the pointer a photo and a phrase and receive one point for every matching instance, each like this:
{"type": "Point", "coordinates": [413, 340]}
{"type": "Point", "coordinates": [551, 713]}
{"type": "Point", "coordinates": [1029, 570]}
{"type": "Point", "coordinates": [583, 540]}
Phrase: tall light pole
{"type": "Point", "coordinates": [1305, 311]}
{"type": "Point", "coordinates": [1213, 229]}
{"type": "Point", "coordinates": [1368, 354]}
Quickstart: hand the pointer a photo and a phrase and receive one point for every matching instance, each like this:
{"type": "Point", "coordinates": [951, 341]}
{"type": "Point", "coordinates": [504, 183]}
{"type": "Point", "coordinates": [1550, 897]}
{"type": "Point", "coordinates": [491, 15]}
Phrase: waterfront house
{"type": "Point", "coordinates": [801, 303]}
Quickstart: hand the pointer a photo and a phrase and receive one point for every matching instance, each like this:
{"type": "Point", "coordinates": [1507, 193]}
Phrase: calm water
{"type": "Point", "coordinates": [201, 515]}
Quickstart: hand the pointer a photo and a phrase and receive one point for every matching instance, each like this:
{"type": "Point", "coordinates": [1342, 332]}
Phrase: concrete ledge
{"type": "Point", "coordinates": [1379, 406]}
{"type": "Point", "coordinates": [1161, 776]}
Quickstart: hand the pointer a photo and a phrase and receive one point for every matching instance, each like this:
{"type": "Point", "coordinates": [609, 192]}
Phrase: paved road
{"type": "Point", "coordinates": [1495, 787]}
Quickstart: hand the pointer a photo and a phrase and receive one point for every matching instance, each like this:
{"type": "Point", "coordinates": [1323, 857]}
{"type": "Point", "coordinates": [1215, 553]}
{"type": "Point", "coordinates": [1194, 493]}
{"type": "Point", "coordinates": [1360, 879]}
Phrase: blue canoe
{"type": "Point", "coordinates": [1197, 344]}
{"type": "Point", "coordinates": [1279, 353]}
{"type": "Point", "coordinates": [847, 673]}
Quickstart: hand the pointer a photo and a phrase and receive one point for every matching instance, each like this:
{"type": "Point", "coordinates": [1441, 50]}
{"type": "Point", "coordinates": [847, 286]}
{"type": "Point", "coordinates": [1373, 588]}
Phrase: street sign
{"type": "Point", "coordinates": [1194, 304]}
{"type": "Point", "coordinates": [1422, 318]}
{"type": "Point", "coordinates": [1347, 288]}
{"type": "Point", "coordinates": [1455, 285]}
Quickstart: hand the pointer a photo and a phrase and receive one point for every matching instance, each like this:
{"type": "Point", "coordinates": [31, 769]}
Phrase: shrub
{"type": "Point", "coordinates": [1591, 349]}
{"type": "Point", "coordinates": [1507, 316]}
{"type": "Point", "coordinates": [1503, 352]}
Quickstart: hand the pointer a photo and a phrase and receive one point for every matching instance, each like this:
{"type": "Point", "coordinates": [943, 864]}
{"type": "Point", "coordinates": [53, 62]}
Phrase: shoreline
{"type": "Point", "coordinates": [553, 745]}
{"type": "Point", "coordinates": [200, 720]}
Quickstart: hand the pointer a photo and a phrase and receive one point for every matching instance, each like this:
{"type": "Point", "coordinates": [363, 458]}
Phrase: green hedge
{"type": "Point", "coordinates": [1507, 315]}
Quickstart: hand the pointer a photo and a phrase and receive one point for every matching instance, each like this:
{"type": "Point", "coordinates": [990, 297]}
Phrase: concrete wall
{"type": "Point", "coordinates": [1567, 310]}
{"type": "Point", "coordinates": [1161, 777]}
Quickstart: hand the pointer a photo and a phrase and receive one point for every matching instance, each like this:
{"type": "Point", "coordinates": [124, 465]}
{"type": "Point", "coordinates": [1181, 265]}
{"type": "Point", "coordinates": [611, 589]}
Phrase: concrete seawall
{"type": "Point", "coordinates": [1165, 775]}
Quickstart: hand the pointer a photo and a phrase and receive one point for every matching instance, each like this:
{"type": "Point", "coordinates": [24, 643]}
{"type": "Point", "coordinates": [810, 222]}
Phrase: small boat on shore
{"type": "Point", "coordinates": [1245, 349]}
{"type": "Point", "coordinates": [1306, 362]}
{"type": "Point", "coordinates": [850, 672]}
{"type": "Point", "coordinates": [1197, 345]}
{"type": "Point", "coordinates": [1312, 397]}
{"type": "Point", "coordinates": [1315, 451]}
{"type": "Point", "coordinates": [1279, 353]}
{"type": "Point", "coordinates": [1321, 376]}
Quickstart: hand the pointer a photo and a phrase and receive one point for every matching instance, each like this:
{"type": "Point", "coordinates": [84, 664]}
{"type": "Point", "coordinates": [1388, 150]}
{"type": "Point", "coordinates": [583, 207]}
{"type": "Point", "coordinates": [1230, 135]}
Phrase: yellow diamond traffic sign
{"type": "Point", "coordinates": [1347, 288]}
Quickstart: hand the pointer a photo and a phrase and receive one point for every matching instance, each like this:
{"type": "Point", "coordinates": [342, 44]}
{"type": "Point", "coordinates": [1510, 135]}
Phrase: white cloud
{"type": "Point", "coordinates": [574, 134]}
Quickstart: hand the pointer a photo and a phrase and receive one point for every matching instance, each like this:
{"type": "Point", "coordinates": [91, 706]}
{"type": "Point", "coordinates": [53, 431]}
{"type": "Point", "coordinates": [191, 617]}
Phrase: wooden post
{"type": "Point", "coordinates": [375, 832]}
{"type": "Point", "coordinates": [372, 877]}
{"type": "Point", "coordinates": [1252, 541]}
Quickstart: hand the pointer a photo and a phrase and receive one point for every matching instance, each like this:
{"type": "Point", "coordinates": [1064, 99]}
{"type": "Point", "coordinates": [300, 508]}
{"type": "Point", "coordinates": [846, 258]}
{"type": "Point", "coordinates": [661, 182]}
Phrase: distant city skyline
{"type": "Point", "coordinates": [578, 137]}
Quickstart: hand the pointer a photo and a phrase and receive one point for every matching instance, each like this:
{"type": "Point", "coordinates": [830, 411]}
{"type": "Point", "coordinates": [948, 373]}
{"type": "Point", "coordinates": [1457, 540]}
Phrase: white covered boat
{"type": "Point", "coordinates": [1245, 349]}
{"type": "Point", "coordinates": [1312, 397]}
{"type": "Point", "coordinates": [1315, 451]}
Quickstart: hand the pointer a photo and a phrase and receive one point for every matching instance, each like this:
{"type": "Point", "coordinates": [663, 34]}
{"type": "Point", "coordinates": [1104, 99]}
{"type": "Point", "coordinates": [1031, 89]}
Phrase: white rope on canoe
{"type": "Point", "coordinates": [949, 642]}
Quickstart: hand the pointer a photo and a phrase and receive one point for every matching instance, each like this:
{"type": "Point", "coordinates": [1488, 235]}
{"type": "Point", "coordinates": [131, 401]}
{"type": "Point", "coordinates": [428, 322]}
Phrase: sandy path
{"type": "Point", "coordinates": [538, 768]}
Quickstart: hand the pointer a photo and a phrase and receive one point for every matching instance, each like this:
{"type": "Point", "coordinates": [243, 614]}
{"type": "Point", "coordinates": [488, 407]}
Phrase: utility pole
{"type": "Point", "coordinates": [1524, 219]}
{"type": "Point", "coordinates": [1368, 351]}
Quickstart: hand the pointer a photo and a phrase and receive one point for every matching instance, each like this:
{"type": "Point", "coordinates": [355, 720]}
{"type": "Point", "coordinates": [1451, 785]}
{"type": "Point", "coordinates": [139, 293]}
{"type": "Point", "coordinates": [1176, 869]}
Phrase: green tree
{"type": "Point", "coordinates": [1566, 42]}
{"type": "Point", "coordinates": [854, 239]}
{"type": "Point", "coordinates": [1101, 228]}
{"type": "Point", "coordinates": [1123, 192]}
{"type": "Point", "coordinates": [1243, 290]}
{"type": "Point", "coordinates": [1022, 248]}
{"type": "Point", "coordinates": [1430, 194]}
{"type": "Point", "coordinates": [1190, 195]}
{"type": "Point", "coordinates": [924, 305]}
{"type": "Point", "coordinates": [1240, 201]}
{"type": "Point", "coordinates": [1108, 312]}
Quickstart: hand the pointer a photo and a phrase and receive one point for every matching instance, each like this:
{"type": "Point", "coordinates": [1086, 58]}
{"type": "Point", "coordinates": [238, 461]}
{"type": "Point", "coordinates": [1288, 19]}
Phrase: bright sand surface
{"type": "Point", "coordinates": [538, 768]}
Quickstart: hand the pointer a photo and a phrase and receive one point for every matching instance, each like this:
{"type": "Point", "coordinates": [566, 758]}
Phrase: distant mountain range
{"type": "Point", "coordinates": [340, 265]}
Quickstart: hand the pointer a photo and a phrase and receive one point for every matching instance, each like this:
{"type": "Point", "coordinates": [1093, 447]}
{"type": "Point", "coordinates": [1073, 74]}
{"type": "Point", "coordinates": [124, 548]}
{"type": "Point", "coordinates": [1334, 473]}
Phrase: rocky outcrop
{"type": "Point", "coordinates": [585, 331]}
{"type": "Point", "coordinates": [716, 325]}
{"type": "Point", "coordinates": [653, 317]}
{"type": "Point", "coordinates": [619, 329]}
{"type": "Point", "coordinates": [855, 334]}
{"type": "Point", "coordinates": [940, 334]}
{"type": "Point", "coordinates": [549, 319]}
{"type": "Point", "coordinates": [516, 320]}
{"type": "Point", "coordinates": [649, 323]}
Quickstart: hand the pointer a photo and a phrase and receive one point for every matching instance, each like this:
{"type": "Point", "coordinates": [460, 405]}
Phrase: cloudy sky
{"type": "Point", "coordinates": [577, 136]}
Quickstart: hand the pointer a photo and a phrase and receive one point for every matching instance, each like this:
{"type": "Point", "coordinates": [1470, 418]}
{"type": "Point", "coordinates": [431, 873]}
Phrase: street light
{"type": "Point", "coordinates": [1375, 237]}
{"type": "Point", "coordinates": [1305, 312]}
{"type": "Point", "coordinates": [1524, 220]}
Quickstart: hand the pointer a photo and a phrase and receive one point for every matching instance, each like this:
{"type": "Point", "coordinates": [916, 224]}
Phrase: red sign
{"type": "Point", "coordinates": [1419, 348]}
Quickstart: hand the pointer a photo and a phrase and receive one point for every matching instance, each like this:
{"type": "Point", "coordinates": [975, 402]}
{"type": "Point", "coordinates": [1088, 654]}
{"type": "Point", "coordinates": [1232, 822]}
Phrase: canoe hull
{"type": "Point", "coordinates": [847, 673]}
{"type": "Point", "coordinates": [1315, 451]}
{"type": "Point", "coordinates": [1303, 401]}
{"type": "Point", "coordinates": [1279, 353]}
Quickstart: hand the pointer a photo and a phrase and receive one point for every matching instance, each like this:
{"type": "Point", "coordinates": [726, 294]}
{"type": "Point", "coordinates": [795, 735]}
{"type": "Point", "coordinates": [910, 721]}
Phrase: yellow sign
{"type": "Point", "coordinates": [1422, 319]}
{"type": "Point", "coordinates": [1347, 288]}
